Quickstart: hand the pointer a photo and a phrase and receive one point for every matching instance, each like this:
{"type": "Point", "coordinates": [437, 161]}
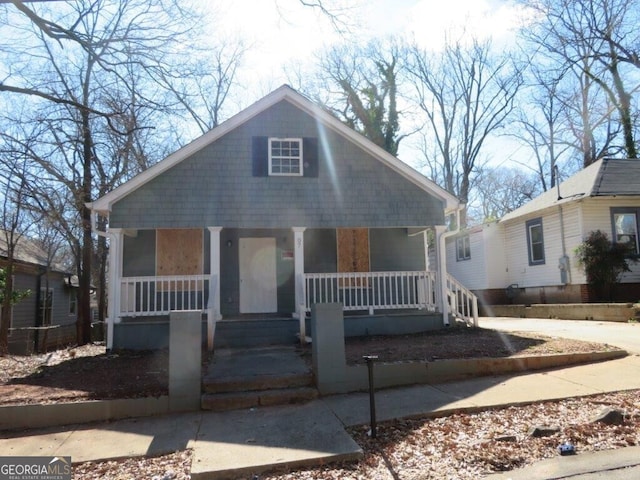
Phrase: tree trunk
{"type": "Point", "coordinates": [83, 326]}
{"type": "Point", "coordinates": [5, 318]}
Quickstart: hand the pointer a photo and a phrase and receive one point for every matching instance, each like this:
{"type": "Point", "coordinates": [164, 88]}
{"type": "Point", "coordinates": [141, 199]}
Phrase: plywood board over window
{"type": "Point", "coordinates": [353, 252]}
{"type": "Point", "coordinates": [179, 252]}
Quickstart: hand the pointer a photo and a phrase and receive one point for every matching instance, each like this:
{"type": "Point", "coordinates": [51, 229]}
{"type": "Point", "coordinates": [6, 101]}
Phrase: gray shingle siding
{"type": "Point", "coordinates": [215, 186]}
{"type": "Point", "coordinates": [394, 250]}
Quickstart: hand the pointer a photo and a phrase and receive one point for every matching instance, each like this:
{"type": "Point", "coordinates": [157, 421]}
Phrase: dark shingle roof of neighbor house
{"type": "Point", "coordinates": [27, 251]}
{"type": "Point", "coordinates": [606, 177]}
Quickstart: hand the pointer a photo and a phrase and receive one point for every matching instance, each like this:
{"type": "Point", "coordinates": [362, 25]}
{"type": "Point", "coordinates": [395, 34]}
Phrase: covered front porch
{"type": "Point", "coordinates": [366, 293]}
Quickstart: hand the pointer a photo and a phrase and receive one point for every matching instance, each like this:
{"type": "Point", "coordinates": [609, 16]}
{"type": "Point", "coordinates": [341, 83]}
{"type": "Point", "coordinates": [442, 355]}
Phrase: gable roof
{"type": "Point", "coordinates": [284, 93]}
{"type": "Point", "coordinates": [27, 251]}
{"type": "Point", "coordinates": [607, 177]}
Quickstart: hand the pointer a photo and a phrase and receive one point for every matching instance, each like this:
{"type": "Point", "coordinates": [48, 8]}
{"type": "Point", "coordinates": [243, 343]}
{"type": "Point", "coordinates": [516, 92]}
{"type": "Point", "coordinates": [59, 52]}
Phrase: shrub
{"type": "Point", "coordinates": [604, 262]}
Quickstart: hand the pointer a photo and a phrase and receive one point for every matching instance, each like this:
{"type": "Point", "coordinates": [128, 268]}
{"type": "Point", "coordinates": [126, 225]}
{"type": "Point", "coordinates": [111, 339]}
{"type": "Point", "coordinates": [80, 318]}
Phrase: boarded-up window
{"type": "Point", "coordinates": [353, 252]}
{"type": "Point", "coordinates": [179, 252]}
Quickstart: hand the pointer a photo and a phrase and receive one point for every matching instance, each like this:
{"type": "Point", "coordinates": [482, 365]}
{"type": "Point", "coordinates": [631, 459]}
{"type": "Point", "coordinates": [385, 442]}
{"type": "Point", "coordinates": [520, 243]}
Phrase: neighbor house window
{"type": "Point", "coordinates": [46, 305]}
{"type": "Point", "coordinates": [73, 303]}
{"type": "Point", "coordinates": [535, 241]}
{"type": "Point", "coordinates": [625, 226]}
{"type": "Point", "coordinates": [463, 248]}
{"type": "Point", "coordinates": [285, 156]}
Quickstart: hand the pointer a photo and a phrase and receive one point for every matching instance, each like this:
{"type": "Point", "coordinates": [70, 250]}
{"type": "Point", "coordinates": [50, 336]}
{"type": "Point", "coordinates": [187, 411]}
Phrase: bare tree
{"type": "Point", "coordinates": [14, 224]}
{"type": "Point", "coordinates": [359, 85]}
{"type": "Point", "coordinates": [466, 94]}
{"type": "Point", "coordinates": [89, 72]}
{"type": "Point", "coordinates": [600, 39]}
{"type": "Point", "coordinates": [500, 190]}
{"type": "Point", "coordinates": [541, 124]}
{"type": "Point", "coordinates": [202, 90]}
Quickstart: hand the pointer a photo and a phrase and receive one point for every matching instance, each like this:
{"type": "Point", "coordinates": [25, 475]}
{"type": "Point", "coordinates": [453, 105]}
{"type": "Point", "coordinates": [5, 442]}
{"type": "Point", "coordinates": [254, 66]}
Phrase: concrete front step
{"type": "Point", "coordinates": [256, 383]}
{"type": "Point", "coordinates": [259, 398]}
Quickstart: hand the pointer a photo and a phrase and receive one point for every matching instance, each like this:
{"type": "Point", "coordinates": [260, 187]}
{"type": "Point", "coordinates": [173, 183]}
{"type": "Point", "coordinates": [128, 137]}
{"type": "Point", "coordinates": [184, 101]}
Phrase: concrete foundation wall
{"type": "Point", "coordinates": [15, 417]}
{"type": "Point", "coordinates": [610, 312]}
{"type": "Point", "coordinates": [333, 375]}
{"type": "Point", "coordinates": [145, 334]}
{"type": "Point", "coordinates": [391, 324]}
{"type": "Point", "coordinates": [185, 361]}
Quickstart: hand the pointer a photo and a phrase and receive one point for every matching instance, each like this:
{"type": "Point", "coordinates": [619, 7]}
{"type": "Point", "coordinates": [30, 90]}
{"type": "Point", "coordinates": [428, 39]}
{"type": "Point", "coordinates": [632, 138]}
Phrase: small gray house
{"type": "Point", "coordinates": [46, 318]}
{"type": "Point", "coordinates": [279, 207]}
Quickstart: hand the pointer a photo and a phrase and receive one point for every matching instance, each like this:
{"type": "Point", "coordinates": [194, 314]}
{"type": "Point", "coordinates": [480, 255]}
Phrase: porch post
{"type": "Point", "coordinates": [425, 239]}
{"type": "Point", "coordinates": [114, 290]}
{"type": "Point", "coordinates": [213, 307]}
{"type": "Point", "coordinates": [298, 272]}
{"type": "Point", "coordinates": [441, 255]}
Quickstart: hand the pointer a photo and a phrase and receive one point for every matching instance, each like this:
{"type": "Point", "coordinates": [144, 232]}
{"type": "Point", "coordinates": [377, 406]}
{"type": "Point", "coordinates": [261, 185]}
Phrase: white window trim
{"type": "Point", "coordinates": [530, 225]}
{"type": "Point", "coordinates": [626, 211]}
{"type": "Point", "coordinates": [300, 173]}
{"type": "Point", "coordinates": [466, 246]}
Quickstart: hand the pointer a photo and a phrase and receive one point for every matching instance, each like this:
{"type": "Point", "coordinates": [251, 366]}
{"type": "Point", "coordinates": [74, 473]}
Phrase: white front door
{"type": "Point", "coordinates": [258, 282]}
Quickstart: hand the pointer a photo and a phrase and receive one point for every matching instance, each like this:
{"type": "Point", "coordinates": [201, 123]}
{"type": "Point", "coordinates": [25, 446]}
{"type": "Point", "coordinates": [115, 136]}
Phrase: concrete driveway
{"type": "Point", "coordinates": [622, 335]}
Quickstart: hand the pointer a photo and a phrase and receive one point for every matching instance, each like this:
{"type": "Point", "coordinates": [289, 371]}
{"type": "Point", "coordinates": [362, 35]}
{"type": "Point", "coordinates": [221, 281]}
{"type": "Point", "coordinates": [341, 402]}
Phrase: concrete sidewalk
{"type": "Point", "coordinates": [253, 441]}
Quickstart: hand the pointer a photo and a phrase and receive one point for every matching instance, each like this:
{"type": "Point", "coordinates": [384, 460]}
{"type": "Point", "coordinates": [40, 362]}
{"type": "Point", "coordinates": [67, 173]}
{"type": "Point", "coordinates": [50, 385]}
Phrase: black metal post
{"type": "Point", "coordinates": [372, 400]}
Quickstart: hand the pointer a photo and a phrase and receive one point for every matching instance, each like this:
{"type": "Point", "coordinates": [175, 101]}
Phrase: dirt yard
{"type": "Point", "coordinates": [89, 373]}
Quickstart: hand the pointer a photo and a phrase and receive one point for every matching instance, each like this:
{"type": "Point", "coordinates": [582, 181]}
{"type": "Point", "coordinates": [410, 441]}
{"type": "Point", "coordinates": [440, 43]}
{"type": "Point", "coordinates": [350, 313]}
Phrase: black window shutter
{"type": "Point", "coordinates": [310, 157]}
{"type": "Point", "coordinates": [260, 156]}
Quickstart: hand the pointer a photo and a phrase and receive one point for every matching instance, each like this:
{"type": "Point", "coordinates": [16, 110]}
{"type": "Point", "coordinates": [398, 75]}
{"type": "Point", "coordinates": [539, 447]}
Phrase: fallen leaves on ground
{"type": "Point", "coordinates": [83, 373]}
{"type": "Point", "coordinates": [462, 342]}
{"type": "Point", "coordinates": [462, 446]}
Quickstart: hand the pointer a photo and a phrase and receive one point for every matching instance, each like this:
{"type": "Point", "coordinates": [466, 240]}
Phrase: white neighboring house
{"type": "Point", "coordinates": [528, 256]}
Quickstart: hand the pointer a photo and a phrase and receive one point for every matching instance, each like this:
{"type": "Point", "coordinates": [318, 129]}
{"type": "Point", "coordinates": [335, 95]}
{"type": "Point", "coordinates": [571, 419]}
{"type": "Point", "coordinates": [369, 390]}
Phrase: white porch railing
{"type": "Point", "coordinates": [372, 290]}
{"type": "Point", "coordinates": [148, 296]}
{"type": "Point", "coordinates": [462, 302]}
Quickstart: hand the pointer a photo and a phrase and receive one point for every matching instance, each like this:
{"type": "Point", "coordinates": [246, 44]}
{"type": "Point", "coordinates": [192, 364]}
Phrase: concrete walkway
{"type": "Point", "coordinates": [256, 440]}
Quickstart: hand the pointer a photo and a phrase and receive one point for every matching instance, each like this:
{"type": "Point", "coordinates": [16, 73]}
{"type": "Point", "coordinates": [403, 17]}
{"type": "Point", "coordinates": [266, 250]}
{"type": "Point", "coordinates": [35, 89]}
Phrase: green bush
{"type": "Point", "coordinates": [604, 262]}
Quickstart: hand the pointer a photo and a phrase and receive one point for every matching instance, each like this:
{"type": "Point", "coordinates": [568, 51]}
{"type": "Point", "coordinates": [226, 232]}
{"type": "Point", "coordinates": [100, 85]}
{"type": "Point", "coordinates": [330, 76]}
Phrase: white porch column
{"type": "Point", "coordinates": [213, 308]}
{"type": "Point", "coordinates": [441, 255]}
{"type": "Point", "coordinates": [425, 239]}
{"type": "Point", "coordinates": [298, 275]}
{"type": "Point", "coordinates": [114, 290]}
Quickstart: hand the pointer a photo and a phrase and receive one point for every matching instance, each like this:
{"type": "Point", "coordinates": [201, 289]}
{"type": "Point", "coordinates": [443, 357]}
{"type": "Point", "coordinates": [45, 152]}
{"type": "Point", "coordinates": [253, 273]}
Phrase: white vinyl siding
{"type": "Point", "coordinates": [486, 268]}
{"type": "Point", "coordinates": [496, 259]}
{"type": "Point", "coordinates": [548, 274]}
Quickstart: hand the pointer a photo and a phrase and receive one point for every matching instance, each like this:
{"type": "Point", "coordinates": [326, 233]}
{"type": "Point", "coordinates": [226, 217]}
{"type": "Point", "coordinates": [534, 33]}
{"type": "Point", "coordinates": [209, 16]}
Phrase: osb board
{"type": "Point", "coordinates": [353, 252]}
{"type": "Point", "coordinates": [179, 252]}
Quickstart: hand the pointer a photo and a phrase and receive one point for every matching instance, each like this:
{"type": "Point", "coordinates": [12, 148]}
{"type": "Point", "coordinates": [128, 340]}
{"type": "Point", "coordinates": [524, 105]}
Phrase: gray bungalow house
{"type": "Point", "coordinates": [279, 207]}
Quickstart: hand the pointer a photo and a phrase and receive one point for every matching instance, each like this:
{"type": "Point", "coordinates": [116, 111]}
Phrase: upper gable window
{"type": "Point", "coordinates": [285, 156]}
{"type": "Point", "coordinates": [535, 241]}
